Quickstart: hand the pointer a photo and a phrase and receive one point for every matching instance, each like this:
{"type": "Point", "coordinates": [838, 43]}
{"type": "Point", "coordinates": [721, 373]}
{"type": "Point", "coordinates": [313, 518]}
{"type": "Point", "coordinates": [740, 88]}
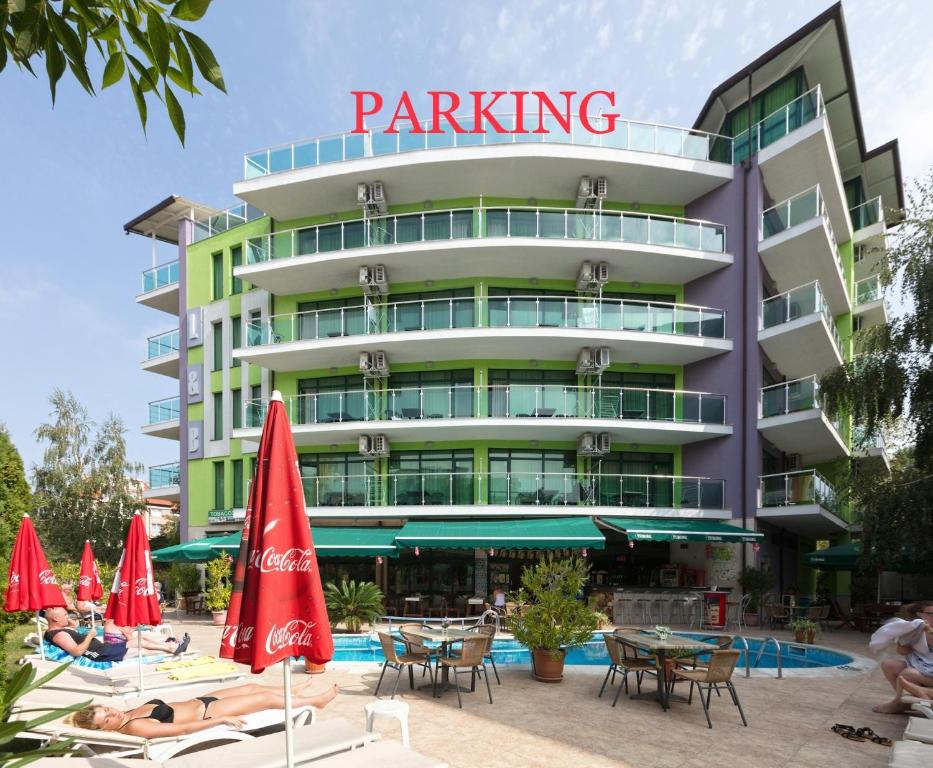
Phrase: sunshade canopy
{"type": "Point", "coordinates": [550, 533]}
{"type": "Point", "coordinates": [842, 557]}
{"type": "Point", "coordinates": [689, 529]}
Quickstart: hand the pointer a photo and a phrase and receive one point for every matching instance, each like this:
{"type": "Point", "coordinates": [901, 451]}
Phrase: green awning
{"type": "Point", "coordinates": [547, 533]}
{"type": "Point", "coordinates": [681, 529]}
{"type": "Point", "coordinates": [842, 557]}
{"type": "Point", "coordinates": [198, 550]}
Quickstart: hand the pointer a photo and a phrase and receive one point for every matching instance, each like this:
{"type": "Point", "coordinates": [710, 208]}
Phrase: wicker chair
{"type": "Point", "coordinates": [615, 663]}
{"type": "Point", "coordinates": [819, 614]}
{"type": "Point", "coordinates": [489, 631]}
{"type": "Point", "coordinates": [776, 615]}
{"type": "Point", "coordinates": [718, 672]}
{"type": "Point", "coordinates": [414, 644]}
{"type": "Point", "coordinates": [633, 660]}
{"type": "Point", "coordinates": [473, 658]}
{"type": "Point", "coordinates": [395, 661]}
{"type": "Point", "coordinates": [722, 642]}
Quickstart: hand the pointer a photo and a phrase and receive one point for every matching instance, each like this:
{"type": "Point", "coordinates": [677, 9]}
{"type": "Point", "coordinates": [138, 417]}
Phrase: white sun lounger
{"type": "Point", "coordinates": [56, 698]}
{"type": "Point", "coordinates": [92, 742]}
{"type": "Point", "coordinates": [911, 754]}
{"type": "Point", "coordinates": [919, 729]}
{"type": "Point", "coordinates": [922, 706]}
{"type": "Point", "coordinates": [312, 742]}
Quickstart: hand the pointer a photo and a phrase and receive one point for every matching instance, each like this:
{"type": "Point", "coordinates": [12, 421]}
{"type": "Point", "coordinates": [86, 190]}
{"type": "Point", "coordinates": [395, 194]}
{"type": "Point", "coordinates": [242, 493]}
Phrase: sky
{"type": "Point", "coordinates": [73, 175]}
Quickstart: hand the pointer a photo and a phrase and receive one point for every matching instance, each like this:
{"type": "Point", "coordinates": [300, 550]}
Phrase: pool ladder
{"type": "Point", "coordinates": [761, 650]}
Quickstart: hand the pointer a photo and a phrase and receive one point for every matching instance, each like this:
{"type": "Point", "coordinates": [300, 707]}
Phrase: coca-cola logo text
{"type": "Point", "coordinates": [84, 581]}
{"type": "Point", "coordinates": [47, 577]}
{"type": "Point", "coordinates": [292, 560]}
{"type": "Point", "coordinates": [14, 579]}
{"type": "Point", "coordinates": [239, 635]}
{"type": "Point", "coordinates": [296, 632]}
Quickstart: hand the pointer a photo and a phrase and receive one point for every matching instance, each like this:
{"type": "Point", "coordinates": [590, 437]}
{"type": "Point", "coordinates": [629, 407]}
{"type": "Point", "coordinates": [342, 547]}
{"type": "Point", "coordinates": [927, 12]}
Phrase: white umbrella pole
{"type": "Point", "coordinates": [41, 638]}
{"type": "Point", "coordinates": [139, 656]}
{"type": "Point", "coordinates": [289, 745]}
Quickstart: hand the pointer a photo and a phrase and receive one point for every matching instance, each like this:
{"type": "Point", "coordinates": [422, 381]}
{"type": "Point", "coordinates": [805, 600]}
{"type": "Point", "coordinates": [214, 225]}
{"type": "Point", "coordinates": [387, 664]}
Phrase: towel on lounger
{"type": "Point", "coordinates": [165, 666]}
{"type": "Point", "coordinates": [218, 669]}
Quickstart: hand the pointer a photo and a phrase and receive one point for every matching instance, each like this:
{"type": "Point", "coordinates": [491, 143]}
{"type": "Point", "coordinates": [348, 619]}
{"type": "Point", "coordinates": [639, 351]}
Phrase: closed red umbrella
{"type": "Point", "coordinates": [133, 601]}
{"type": "Point", "coordinates": [31, 585]}
{"type": "Point", "coordinates": [277, 608]}
{"type": "Point", "coordinates": [89, 586]}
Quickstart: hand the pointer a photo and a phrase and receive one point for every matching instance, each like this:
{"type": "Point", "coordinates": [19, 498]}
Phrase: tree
{"type": "Point", "coordinates": [140, 40]}
{"type": "Point", "coordinates": [890, 381]}
{"type": "Point", "coordinates": [84, 489]}
{"type": "Point", "coordinates": [15, 496]}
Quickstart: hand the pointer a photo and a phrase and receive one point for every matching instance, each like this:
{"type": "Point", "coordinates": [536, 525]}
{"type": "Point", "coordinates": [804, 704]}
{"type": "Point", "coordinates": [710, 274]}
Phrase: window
{"type": "Point", "coordinates": [252, 474]}
{"type": "Point", "coordinates": [331, 398]}
{"type": "Point", "coordinates": [236, 260]}
{"type": "Point", "coordinates": [237, 466]}
{"type": "Point", "coordinates": [532, 477]}
{"type": "Point", "coordinates": [431, 477]}
{"type": "Point", "coordinates": [431, 394]}
{"type": "Point", "coordinates": [218, 416]}
{"type": "Point", "coordinates": [217, 342]}
{"type": "Point", "coordinates": [533, 392]}
{"type": "Point", "coordinates": [336, 479]}
{"type": "Point", "coordinates": [639, 479]}
{"type": "Point", "coordinates": [432, 310]}
{"type": "Point", "coordinates": [633, 404]}
{"type": "Point", "coordinates": [236, 398]}
{"type": "Point", "coordinates": [254, 327]}
{"type": "Point", "coordinates": [332, 317]}
{"type": "Point", "coordinates": [217, 276]}
{"type": "Point", "coordinates": [236, 338]}
{"type": "Point", "coordinates": [219, 485]}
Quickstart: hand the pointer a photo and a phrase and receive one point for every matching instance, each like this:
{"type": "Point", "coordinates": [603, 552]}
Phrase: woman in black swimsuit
{"type": "Point", "coordinates": [225, 706]}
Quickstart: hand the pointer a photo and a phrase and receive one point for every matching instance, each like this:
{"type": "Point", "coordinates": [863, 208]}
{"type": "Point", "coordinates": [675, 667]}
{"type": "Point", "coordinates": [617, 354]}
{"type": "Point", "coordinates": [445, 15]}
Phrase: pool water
{"type": "Point", "coordinates": [508, 651]}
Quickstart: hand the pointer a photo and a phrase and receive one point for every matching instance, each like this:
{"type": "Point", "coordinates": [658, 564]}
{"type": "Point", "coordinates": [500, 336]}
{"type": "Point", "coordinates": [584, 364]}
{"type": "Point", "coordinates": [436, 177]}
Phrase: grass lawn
{"type": "Point", "coordinates": [15, 649]}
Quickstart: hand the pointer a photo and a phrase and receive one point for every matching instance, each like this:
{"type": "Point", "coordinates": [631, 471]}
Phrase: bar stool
{"type": "Point", "coordinates": [678, 609]}
{"type": "Point", "coordinates": [626, 614]}
{"type": "Point", "coordinates": [694, 610]}
{"type": "Point", "coordinates": [643, 605]}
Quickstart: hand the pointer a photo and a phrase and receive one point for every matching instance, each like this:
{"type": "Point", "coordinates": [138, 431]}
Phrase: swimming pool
{"type": "Point", "coordinates": [508, 651]}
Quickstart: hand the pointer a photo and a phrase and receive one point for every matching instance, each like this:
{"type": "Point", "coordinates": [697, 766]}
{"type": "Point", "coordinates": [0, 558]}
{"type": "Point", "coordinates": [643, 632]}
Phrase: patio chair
{"type": "Point", "coordinates": [489, 630]}
{"type": "Point", "coordinates": [615, 663]}
{"type": "Point", "coordinates": [393, 660]}
{"type": "Point", "coordinates": [722, 643]}
{"type": "Point", "coordinates": [633, 660]}
{"type": "Point", "coordinates": [414, 645]}
{"type": "Point", "coordinates": [472, 657]}
{"type": "Point", "coordinates": [718, 672]}
{"type": "Point", "coordinates": [776, 615]}
{"type": "Point", "coordinates": [820, 615]}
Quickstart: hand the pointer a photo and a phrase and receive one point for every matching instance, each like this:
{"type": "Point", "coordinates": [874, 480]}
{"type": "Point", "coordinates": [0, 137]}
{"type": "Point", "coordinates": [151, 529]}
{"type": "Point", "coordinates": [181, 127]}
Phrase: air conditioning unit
{"type": "Point", "coordinates": [364, 445]}
{"type": "Point", "coordinates": [362, 193]}
{"type": "Point", "coordinates": [364, 279]}
{"type": "Point", "coordinates": [365, 362]}
{"type": "Point", "coordinates": [585, 360]}
{"type": "Point", "coordinates": [603, 443]}
{"type": "Point", "coordinates": [586, 187]}
{"type": "Point", "coordinates": [602, 187]}
{"type": "Point", "coordinates": [585, 276]}
{"type": "Point", "coordinates": [380, 363]}
{"type": "Point", "coordinates": [601, 273]}
{"type": "Point", "coordinates": [373, 280]}
{"type": "Point", "coordinates": [601, 358]}
{"type": "Point", "coordinates": [377, 196]}
{"type": "Point", "coordinates": [379, 445]}
{"type": "Point", "coordinates": [586, 444]}
{"type": "Point", "coordinates": [794, 462]}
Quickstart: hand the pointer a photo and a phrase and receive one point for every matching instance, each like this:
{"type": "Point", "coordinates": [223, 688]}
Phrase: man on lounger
{"type": "Point", "coordinates": [62, 634]}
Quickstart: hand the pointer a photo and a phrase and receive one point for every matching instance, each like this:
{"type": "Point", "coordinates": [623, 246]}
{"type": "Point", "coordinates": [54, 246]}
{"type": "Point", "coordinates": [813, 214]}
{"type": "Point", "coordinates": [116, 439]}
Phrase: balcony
{"type": "Point", "coordinates": [535, 327]}
{"type": "Point", "coordinates": [870, 308]}
{"type": "Point", "coordinates": [162, 354]}
{"type": "Point", "coordinates": [868, 220]}
{"type": "Point", "coordinates": [225, 220]}
{"type": "Point", "coordinates": [802, 502]}
{"type": "Point", "coordinates": [865, 447]}
{"type": "Point", "coordinates": [160, 288]}
{"type": "Point", "coordinates": [164, 418]}
{"type": "Point", "coordinates": [642, 161]}
{"type": "Point", "coordinates": [797, 245]}
{"type": "Point", "coordinates": [552, 412]}
{"type": "Point", "coordinates": [798, 332]}
{"type": "Point", "coordinates": [792, 418]}
{"type": "Point", "coordinates": [468, 494]}
{"type": "Point", "coordinates": [473, 242]}
{"type": "Point", "coordinates": [165, 482]}
{"type": "Point", "coordinates": [796, 151]}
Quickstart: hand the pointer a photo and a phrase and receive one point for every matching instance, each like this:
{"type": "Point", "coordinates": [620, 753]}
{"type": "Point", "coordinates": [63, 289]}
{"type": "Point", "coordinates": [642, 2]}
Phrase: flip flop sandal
{"type": "Point", "coordinates": [851, 735]}
{"type": "Point", "coordinates": [841, 729]}
{"type": "Point", "coordinates": [882, 740]}
{"type": "Point", "coordinates": [866, 732]}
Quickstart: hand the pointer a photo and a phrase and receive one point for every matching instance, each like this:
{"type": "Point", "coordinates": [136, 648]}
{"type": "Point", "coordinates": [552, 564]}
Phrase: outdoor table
{"type": "Point", "coordinates": [444, 639]}
{"type": "Point", "coordinates": [411, 413]}
{"type": "Point", "coordinates": [650, 642]}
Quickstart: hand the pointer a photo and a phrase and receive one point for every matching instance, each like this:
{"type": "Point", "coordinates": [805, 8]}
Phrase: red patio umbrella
{"type": "Point", "coordinates": [31, 585]}
{"type": "Point", "coordinates": [277, 608]}
{"type": "Point", "coordinates": [133, 601]}
{"type": "Point", "coordinates": [89, 586]}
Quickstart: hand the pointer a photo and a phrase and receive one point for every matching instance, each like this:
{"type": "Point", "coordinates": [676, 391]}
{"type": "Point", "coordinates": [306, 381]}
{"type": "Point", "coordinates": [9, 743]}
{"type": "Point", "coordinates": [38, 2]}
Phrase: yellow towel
{"type": "Point", "coordinates": [217, 669]}
{"type": "Point", "coordinates": [183, 664]}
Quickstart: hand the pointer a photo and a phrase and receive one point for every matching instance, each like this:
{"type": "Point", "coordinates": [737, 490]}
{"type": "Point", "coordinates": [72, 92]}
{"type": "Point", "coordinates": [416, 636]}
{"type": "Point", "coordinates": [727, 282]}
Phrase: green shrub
{"type": "Point", "coordinates": [217, 583]}
{"type": "Point", "coordinates": [184, 578]}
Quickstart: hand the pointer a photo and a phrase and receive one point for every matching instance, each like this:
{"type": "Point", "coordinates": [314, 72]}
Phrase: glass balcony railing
{"type": "Point", "coordinates": [628, 134]}
{"type": "Point", "coordinates": [164, 475]}
{"type": "Point", "coordinates": [799, 302]}
{"type": "Point", "coordinates": [795, 210]}
{"type": "Point", "coordinates": [470, 223]}
{"type": "Point", "coordinates": [793, 397]}
{"type": "Point", "coordinates": [514, 489]}
{"type": "Point", "coordinates": [802, 110]}
{"type": "Point", "coordinates": [228, 219]}
{"type": "Point", "coordinates": [861, 440]}
{"type": "Point", "coordinates": [868, 213]}
{"type": "Point", "coordinates": [163, 344]}
{"type": "Point", "coordinates": [164, 410]}
{"type": "Point", "coordinates": [805, 487]}
{"type": "Point", "coordinates": [492, 312]}
{"type": "Point", "coordinates": [506, 401]}
{"type": "Point", "coordinates": [160, 276]}
{"type": "Point", "coordinates": [868, 290]}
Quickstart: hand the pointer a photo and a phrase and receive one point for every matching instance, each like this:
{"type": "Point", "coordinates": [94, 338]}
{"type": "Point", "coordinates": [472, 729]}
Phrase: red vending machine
{"type": "Point", "coordinates": [714, 604]}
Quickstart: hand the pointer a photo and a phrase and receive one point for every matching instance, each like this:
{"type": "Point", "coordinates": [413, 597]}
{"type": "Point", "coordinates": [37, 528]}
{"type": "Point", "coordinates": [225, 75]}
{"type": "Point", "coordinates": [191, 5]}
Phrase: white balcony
{"type": "Point", "coordinates": [868, 222]}
{"type": "Point", "coordinates": [870, 307]}
{"type": "Point", "coordinates": [160, 288]}
{"type": "Point", "coordinates": [164, 482]}
{"type": "Point", "coordinates": [798, 334]}
{"type": "Point", "coordinates": [529, 327]}
{"type": "Point", "coordinates": [801, 502]}
{"type": "Point", "coordinates": [797, 246]}
{"type": "Point", "coordinates": [641, 161]}
{"type": "Point", "coordinates": [164, 419]}
{"type": "Point", "coordinates": [791, 418]}
{"type": "Point", "coordinates": [162, 354]}
{"type": "Point", "coordinates": [471, 242]}
{"type": "Point", "coordinates": [870, 449]}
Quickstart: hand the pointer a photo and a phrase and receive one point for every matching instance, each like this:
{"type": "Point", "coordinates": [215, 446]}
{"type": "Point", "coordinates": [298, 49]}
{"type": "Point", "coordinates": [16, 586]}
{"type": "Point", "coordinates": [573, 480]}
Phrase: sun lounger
{"type": "Point", "coordinates": [921, 706]}
{"type": "Point", "coordinates": [52, 698]}
{"type": "Point", "coordinates": [919, 729]}
{"type": "Point", "coordinates": [122, 681]}
{"type": "Point", "coordinates": [911, 754]}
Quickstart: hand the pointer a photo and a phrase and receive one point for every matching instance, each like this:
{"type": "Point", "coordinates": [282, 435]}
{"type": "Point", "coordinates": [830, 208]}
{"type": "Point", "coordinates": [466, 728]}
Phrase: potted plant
{"type": "Point", "coordinates": [183, 579]}
{"type": "Point", "coordinates": [804, 630]}
{"type": "Point", "coordinates": [217, 593]}
{"type": "Point", "coordinates": [755, 582]}
{"type": "Point", "coordinates": [550, 618]}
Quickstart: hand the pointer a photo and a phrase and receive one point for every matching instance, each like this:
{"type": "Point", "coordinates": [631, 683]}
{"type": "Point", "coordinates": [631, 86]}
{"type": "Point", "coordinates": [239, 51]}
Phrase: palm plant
{"type": "Point", "coordinates": [353, 603]}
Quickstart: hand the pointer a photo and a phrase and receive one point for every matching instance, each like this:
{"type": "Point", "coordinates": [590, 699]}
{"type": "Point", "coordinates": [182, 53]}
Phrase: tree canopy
{"type": "Point", "coordinates": [141, 41]}
{"type": "Point", "coordinates": [15, 496]}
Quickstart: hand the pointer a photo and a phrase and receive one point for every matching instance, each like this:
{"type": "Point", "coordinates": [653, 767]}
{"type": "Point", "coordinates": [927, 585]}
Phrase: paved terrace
{"type": "Point", "coordinates": [532, 724]}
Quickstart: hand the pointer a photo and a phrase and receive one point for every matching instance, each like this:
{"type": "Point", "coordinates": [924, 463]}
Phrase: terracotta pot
{"type": "Point", "coordinates": [548, 665]}
{"type": "Point", "coordinates": [314, 669]}
{"type": "Point", "coordinates": [219, 618]}
{"type": "Point", "coordinates": [799, 635]}
{"type": "Point", "coordinates": [751, 619]}
{"type": "Point", "coordinates": [810, 634]}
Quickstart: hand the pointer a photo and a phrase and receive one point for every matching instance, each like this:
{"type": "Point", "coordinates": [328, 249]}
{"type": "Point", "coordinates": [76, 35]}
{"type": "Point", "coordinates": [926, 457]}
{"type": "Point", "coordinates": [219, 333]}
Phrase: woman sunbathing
{"type": "Point", "coordinates": [225, 706]}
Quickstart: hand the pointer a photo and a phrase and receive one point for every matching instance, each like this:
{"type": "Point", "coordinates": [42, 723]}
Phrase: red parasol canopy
{"type": "Point", "coordinates": [31, 585]}
{"type": "Point", "coordinates": [133, 600]}
{"type": "Point", "coordinates": [89, 586]}
{"type": "Point", "coordinates": [277, 609]}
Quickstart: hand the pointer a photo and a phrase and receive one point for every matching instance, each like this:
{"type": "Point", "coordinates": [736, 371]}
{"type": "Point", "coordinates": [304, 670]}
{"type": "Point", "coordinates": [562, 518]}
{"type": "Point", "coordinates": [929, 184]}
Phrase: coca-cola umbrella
{"type": "Point", "coordinates": [31, 585]}
{"type": "Point", "coordinates": [89, 586]}
{"type": "Point", "coordinates": [277, 608]}
{"type": "Point", "coordinates": [133, 601]}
